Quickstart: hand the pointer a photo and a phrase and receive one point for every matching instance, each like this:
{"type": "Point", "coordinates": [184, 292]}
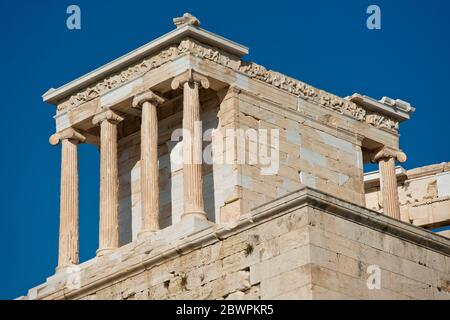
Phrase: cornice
{"type": "Point", "coordinates": [395, 109]}
{"type": "Point", "coordinates": [174, 37]}
{"type": "Point", "coordinates": [249, 69]}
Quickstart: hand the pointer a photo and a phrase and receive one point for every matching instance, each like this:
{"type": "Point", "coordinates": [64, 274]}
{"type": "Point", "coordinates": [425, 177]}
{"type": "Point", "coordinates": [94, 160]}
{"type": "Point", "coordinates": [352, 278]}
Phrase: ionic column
{"type": "Point", "coordinates": [192, 143]}
{"type": "Point", "coordinates": [109, 181]}
{"type": "Point", "coordinates": [68, 224]}
{"type": "Point", "coordinates": [149, 101]}
{"type": "Point", "coordinates": [386, 158]}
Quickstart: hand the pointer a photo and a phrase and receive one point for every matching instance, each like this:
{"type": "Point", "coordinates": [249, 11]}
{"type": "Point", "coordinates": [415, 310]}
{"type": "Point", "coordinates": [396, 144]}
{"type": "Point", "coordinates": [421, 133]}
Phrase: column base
{"type": "Point", "coordinates": [104, 251]}
{"type": "Point", "coordinates": [145, 234]}
{"type": "Point", "coordinates": [66, 268]}
{"type": "Point", "coordinates": [196, 214]}
{"type": "Point", "coordinates": [188, 225]}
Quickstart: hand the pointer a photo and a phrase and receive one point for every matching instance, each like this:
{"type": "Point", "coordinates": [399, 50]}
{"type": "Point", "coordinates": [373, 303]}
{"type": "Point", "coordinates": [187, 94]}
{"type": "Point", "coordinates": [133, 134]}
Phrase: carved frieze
{"type": "Point", "coordinates": [381, 121]}
{"type": "Point", "coordinates": [117, 79]}
{"type": "Point", "coordinates": [206, 52]}
{"type": "Point", "coordinates": [252, 70]}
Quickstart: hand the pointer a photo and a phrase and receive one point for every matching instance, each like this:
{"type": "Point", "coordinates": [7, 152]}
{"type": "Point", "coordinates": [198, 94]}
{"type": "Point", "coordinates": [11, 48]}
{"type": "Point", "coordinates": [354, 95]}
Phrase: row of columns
{"type": "Point", "coordinates": [108, 120]}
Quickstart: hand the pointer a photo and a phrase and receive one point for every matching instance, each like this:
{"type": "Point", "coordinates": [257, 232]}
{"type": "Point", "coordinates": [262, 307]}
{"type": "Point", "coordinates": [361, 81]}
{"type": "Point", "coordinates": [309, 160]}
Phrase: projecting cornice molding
{"type": "Point", "coordinates": [155, 51]}
{"type": "Point", "coordinates": [187, 46]}
{"type": "Point", "coordinates": [396, 109]}
{"type": "Point", "coordinates": [228, 55]}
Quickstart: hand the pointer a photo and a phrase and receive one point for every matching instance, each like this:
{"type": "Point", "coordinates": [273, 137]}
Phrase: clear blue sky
{"type": "Point", "coordinates": [324, 43]}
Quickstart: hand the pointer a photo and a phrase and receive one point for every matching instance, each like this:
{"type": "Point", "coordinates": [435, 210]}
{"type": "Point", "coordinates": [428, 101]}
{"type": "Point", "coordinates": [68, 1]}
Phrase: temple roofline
{"type": "Point", "coordinates": [53, 96]}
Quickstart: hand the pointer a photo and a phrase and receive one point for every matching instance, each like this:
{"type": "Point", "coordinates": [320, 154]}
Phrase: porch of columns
{"type": "Point", "coordinates": [68, 227]}
{"type": "Point", "coordinates": [386, 157]}
{"type": "Point", "coordinates": [148, 102]}
{"type": "Point", "coordinates": [192, 143]}
{"type": "Point", "coordinates": [109, 181]}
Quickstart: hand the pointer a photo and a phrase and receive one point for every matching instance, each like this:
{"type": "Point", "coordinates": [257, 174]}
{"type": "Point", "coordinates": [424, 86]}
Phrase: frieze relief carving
{"type": "Point", "coordinates": [252, 70]}
{"type": "Point", "coordinates": [381, 121]}
{"type": "Point", "coordinates": [117, 79]}
{"type": "Point", "coordinates": [206, 52]}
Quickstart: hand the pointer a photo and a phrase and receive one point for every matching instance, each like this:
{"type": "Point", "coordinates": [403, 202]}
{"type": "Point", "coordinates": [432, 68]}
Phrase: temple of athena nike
{"type": "Point", "coordinates": [222, 179]}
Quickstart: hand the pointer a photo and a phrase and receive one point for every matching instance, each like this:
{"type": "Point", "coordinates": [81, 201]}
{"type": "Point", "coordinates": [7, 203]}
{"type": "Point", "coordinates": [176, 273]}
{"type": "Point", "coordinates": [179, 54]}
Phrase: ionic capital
{"type": "Point", "coordinates": [147, 96]}
{"type": "Point", "coordinates": [387, 153]}
{"type": "Point", "coordinates": [107, 115]}
{"type": "Point", "coordinates": [68, 133]}
{"type": "Point", "coordinates": [190, 76]}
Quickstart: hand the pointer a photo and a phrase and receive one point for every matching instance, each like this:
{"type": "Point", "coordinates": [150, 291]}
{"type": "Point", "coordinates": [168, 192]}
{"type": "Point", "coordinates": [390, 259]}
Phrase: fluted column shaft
{"type": "Point", "coordinates": [149, 168]}
{"type": "Point", "coordinates": [68, 225]}
{"type": "Point", "coordinates": [192, 152]}
{"type": "Point", "coordinates": [192, 142]}
{"type": "Point", "coordinates": [109, 182]}
{"type": "Point", "coordinates": [109, 187]}
{"type": "Point", "coordinates": [388, 184]}
{"type": "Point", "coordinates": [386, 158]}
{"type": "Point", "coordinates": [149, 101]}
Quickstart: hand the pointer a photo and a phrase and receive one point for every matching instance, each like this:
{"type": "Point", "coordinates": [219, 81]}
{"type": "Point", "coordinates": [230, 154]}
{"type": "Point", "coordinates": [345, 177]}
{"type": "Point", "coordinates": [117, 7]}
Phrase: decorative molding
{"type": "Point", "coordinates": [187, 18]}
{"type": "Point", "coordinates": [68, 133]}
{"type": "Point", "coordinates": [107, 115]}
{"type": "Point", "coordinates": [120, 78]}
{"type": "Point", "coordinates": [147, 96]}
{"type": "Point", "coordinates": [381, 121]}
{"type": "Point", "coordinates": [252, 70]}
{"type": "Point", "coordinates": [210, 53]}
{"type": "Point", "coordinates": [394, 110]}
{"type": "Point", "coordinates": [387, 153]}
{"type": "Point", "coordinates": [190, 76]}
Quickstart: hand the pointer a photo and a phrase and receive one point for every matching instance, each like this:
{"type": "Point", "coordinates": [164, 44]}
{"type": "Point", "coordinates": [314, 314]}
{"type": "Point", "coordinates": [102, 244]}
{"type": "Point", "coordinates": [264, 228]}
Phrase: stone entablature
{"type": "Point", "coordinates": [424, 194]}
{"type": "Point", "coordinates": [384, 118]}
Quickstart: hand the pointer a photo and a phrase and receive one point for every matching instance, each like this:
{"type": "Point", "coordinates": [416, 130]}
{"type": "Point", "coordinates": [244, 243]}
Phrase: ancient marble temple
{"type": "Point", "coordinates": [311, 227]}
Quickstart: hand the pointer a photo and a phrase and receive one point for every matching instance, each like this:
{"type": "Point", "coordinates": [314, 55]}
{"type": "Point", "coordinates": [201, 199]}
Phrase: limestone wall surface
{"type": "Point", "coordinates": [305, 245]}
{"type": "Point", "coordinates": [310, 154]}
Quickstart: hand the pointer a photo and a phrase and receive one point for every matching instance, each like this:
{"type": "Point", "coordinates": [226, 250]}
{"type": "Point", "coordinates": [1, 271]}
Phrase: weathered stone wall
{"type": "Point", "coordinates": [306, 245]}
{"type": "Point", "coordinates": [309, 154]}
{"type": "Point", "coordinates": [341, 251]}
{"type": "Point", "coordinates": [424, 195]}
